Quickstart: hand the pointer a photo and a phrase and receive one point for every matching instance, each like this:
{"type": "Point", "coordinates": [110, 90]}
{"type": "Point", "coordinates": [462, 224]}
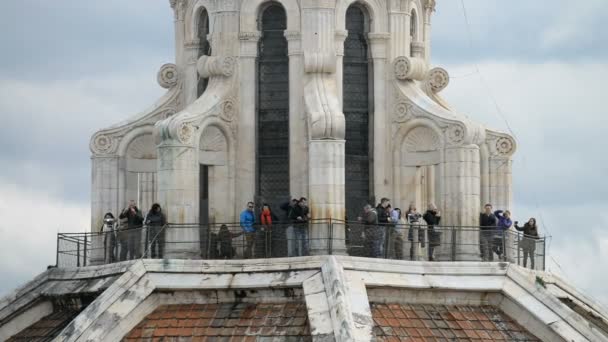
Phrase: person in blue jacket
{"type": "Point", "coordinates": [247, 221]}
{"type": "Point", "coordinates": [504, 223]}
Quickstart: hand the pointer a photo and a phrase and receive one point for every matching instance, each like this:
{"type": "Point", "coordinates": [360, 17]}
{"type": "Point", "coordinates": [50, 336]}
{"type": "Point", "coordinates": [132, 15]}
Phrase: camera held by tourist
{"type": "Point", "coordinates": [247, 221]}
{"type": "Point", "coordinates": [432, 217]}
{"type": "Point", "coordinates": [487, 223]}
{"type": "Point", "coordinates": [156, 221]}
{"type": "Point", "coordinates": [130, 236]}
{"type": "Point", "coordinates": [528, 242]}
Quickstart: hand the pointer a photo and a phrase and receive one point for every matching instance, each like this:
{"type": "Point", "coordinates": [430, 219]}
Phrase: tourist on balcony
{"type": "Point", "coordinates": [247, 221]}
{"type": "Point", "coordinates": [109, 230]}
{"type": "Point", "coordinates": [414, 219]}
{"type": "Point", "coordinates": [487, 228]}
{"type": "Point", "coordinates": [264, 235]}
{"type": "Point", "coordinates": [156, 222]}
{"type": "Point", "coordinates": [432, 217]}
{"type": "Point", "coordinates": [504, 223]}
{"type": "Point", "coordinates": [130, 240]}
{"type": "Point", "coordinates": [528, 243]}
{"type": "Point", "coordinates": [225, 236]}
{"type": "Point", "coordinates": [287, 207]}
{"type": "Point", "coordinates": [299, 217]}
{"type": "Point", "coordinates": [374, 234]}
{"type": "Point", "coordinates": [395, 240]}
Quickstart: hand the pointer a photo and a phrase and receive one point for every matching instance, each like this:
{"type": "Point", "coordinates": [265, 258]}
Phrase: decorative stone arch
{"type": "Point", "coordinates": [137, 174]}
{"type": "Point", "coordinates": [416, 21]}
{"type": "Point", "coordinates": [251, 10]}
{"type": "Point", "coordinates": [418, 158]}
{"type": "Point", "coordinates": [191, 20]}
{"type": "Point", "coordinates": [376, 10]}
{"type": "Point", "coordinates": [216, 152]}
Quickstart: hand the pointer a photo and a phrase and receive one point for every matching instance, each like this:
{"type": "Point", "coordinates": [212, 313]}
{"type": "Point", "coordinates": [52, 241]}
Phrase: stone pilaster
{"type": "Point", "coordinates": [461, 181]}
{"type": "Point", "coordinates": [298, 140]}
{"type": "Point", "coordinates": [178, 193]}
{"type": "Point", "coordinates": [381, 120]}
{"type": "Point", "coordinates": [340, 38]}
{"type": "Point", "coordinates": [104, 189]}
{"type": "Point", "coordinates": [190, 77]}
{"type": "Point", "coordinates": [400, 34]}
{"type": "Point", "coordinates": [246, 142]}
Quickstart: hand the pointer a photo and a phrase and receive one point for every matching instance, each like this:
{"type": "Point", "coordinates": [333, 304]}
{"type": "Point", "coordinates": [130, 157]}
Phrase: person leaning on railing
{"type": "Point", "coordinates": [413, 217]}
{"type": "Point", "coordinates": [299, 216]}
{"type": "Point", "coordinates": [528, 243]}
{"type": "Point", "coordinates": [373, 233]}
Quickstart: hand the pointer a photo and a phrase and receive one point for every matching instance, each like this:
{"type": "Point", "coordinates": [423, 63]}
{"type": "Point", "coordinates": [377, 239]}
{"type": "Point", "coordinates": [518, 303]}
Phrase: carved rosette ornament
{"type": "Point", "coordinates": [438, 79]}
{"type": "Point", "coordinates": [167, 76]}
{"type": "Point", "coordinates": [504, 146]}
{"type": "Point", "coordinates": [402, 67]}
{"type": "Point", "coordinates": [403, 111]}
{"type": "Point", "coordinates": [103, 144]}
{"type": "Point", "coordinates": [228, 110]}
{"type": "Point", "coordinates": [185, 132]}
{"type": "Point", "coordinates": [455, 134]}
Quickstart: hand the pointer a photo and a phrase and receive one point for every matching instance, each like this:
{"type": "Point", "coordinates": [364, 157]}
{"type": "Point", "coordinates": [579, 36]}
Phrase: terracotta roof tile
{"type": "Point", "coordinates": [445, 323]}
{"type": "Point", "coordinates": [240, 322]}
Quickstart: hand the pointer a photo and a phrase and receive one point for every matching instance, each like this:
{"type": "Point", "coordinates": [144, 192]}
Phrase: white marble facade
{"type": "Point", "coordinates": [423, 150]}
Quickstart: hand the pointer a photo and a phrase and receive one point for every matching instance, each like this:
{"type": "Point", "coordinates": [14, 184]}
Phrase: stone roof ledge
{"type": "Point", "coordinates": [337, 291]}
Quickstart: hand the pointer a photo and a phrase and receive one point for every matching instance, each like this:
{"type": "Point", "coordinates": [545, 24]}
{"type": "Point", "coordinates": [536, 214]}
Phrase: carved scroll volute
{"type": "Point", "coordinates": [208, 66]}
{"type": "Point", "coordinates": [326, 120]}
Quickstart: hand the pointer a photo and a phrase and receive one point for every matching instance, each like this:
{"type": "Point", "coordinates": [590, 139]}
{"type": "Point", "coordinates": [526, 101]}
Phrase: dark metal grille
{"type": "Point", "coordinates": [273, 109]}
{"type": "Point", "coordinates": [356, 112]}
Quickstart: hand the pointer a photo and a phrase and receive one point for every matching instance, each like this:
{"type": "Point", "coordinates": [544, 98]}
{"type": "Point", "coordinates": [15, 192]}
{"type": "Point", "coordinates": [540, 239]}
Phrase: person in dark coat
{"type": "Point", "coordinates": [374, 235]}
{"type": "Point", "coordinates": [156, 222]}
{"type": "Point", "coordinates": [432, 217]}
{"type": "Point", "coordinates": [299, 217]}
{"type": "Point", "coordinates": [528, 242]}
{"type": "Point", "coordinates": [224, 238]}
{"type": "Point", "coordinates": [134, 220]}
{"type": "Point", "coordinates": [487, 228]}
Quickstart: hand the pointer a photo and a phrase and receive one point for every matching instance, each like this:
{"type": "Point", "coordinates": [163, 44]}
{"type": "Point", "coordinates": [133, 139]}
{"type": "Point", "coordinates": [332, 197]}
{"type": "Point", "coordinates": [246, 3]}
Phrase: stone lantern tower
{"type": "Point", "coordinates": [333, 100]}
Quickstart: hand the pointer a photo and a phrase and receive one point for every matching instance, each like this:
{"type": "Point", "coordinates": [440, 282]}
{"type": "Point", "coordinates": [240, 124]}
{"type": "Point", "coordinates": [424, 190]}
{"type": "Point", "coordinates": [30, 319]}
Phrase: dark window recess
{"type": "Point", "coordinates": [204, 49]}
{"type": "Point", "coordinates": [273, 109]}
{"type": "Point", "coordinates": [356, 112]}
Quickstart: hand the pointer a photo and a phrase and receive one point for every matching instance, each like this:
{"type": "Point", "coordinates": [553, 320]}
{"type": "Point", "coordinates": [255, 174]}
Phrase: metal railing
{"type": "Point", "coordinates": [417, 242]}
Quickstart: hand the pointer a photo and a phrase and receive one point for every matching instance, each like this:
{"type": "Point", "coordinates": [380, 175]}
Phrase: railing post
{"type": "Point", "coordinates": [518, 249]}
{"type": "Point", "coordinates": [77, 252]}
{"type": "Point", "coordinates": [57, 252]}
{"type": "Point", "coordinates": [544, 252]}
{"type": "Point", "coordinates": [386, 241]}
{"type": "Point", "coordinates": [453, 243]}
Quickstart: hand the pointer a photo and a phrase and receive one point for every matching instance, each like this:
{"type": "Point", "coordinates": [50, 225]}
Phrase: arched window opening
{"type": "Point", "coordinates": [204, 47]}
{"type": "Point", "coordinates": [357, 103]}
{"type": "Point", "coordinates": [414, 26]}
{"type": "Point", "coordinates": [273, 108]}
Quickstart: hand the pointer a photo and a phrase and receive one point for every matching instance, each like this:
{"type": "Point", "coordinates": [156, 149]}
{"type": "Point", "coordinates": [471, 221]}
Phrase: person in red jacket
{"type": "Point", "coordinates": [266, 219]}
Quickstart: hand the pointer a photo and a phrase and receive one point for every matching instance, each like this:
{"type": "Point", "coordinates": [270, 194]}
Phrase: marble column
{"type": "Point", "coordinates": [298, 140]}
{"type": "Point", "coordinates": [178, 194]}
{"type": "Point", "coordinates": [325, 123]}
{"type": "Point", "coordinates": [246, 142]}
{"type": "Point", "coordinates": [501, 195]}
{"type": "Point", "coordinates": [104, 188]}
{"type": "Point", "coordinates": [461, 196]}
{"type": "Point", "coordinates": [381, 143]}
{"type": "Point", "coordinates": [190, 74]}
{"type": "Point", "coordinates": [400, 34]}
{"type": "Point", "coordinates": [340, 38]}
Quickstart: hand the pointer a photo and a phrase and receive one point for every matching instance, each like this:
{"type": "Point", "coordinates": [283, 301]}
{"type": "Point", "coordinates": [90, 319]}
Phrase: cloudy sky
{"type": "Point", "coordinates": [70, 67]}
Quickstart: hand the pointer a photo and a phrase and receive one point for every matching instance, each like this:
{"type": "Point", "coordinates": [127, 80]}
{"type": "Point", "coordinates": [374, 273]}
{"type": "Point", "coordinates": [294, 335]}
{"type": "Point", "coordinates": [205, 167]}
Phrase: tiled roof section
{"type": "Point", "coordinates": [224, 322]}
{"type": "Point", "coordinates": [45, 329]}
{"type": "Point", "coordinates": [401, 322]}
